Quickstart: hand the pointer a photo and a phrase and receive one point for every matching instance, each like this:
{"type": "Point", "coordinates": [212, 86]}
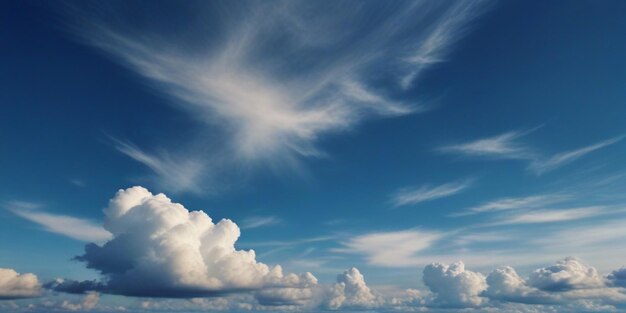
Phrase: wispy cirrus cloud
{"type": "Point", "coordinates": [415, 195]}
{"type": "Point", "coordinates": [259, 221]}
{"type": "Point", "coordinates": [72, 227]}
{"type": "Point", "coordinates": [393, 249]}
{"type": "Point", "coordinates": [563, 158]}
{"type": "Point", "coordinates": [515, 203]}
{"type": "Point", "coordinates": [504, 146]}
{"type": "Point", "coordinates": [508, 146]}
{"type": "Point", "coordinates": [174, 173]}
{"type": "Point", "coordinates": [550, 216]}
{"type": "Point", "coordinates": [257, 84]}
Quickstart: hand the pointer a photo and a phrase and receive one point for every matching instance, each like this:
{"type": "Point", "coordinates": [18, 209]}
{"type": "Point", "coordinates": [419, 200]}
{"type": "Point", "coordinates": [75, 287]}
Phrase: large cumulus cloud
{"type": "Point", "coordinates": [567, 274]}
{"type": "Point", "coordinates": [350, 290]}
{"type": "Point", "coordinates": [453, 285]}
{"type": "Point", "coordinates": [14, 285]}
{"type": "Point", "coordinates": [161, 249]}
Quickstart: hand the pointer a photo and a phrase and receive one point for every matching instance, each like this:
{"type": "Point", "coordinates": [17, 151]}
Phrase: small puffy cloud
{"type": "Point", "coordinates": [89, 302]}
{"type": "Point", "coordinates": [618, 277]}
{"type": "Point", "coordinates": [567, 274]}
{"type": "Point", "coordinates": [161, 249]}
{"type": "Point", "coordinates": [351, 291]}
{"type": "Point", "coordinates": [73, 286]}
{"type": "Point", "coordinates": [454, 286]}
{"type": "Point", "coordinates": [14, 285]}
{"type": "Point", "coordinates": [504, 284]}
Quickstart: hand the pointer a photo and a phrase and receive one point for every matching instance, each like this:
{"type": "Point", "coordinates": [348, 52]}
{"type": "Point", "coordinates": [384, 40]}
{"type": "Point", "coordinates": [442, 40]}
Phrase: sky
{"type": "Point", "coordinates": [313, 156]}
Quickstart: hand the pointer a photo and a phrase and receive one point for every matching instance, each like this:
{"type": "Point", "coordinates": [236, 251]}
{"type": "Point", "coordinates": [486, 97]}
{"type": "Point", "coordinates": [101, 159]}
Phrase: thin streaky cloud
{"type": "Point", "coordinates": [391, 249]}
{"type": "Point", "coordinates": [260, 221]}
{"type": "Point", "coordinates": [503, 204]}
{"type": "Point", "coordinates": [551, 216]}
{"type": "Point", "coordinates": [72, 227]}
{"type": "Point", "coordinates": [172, 173]}
{"type": "Point", "coordinates": [452, 26]}
{"type": "Point", "coordinates": [504, 146]}
{"type": "Point", "coordinates": [411, 196]}
{"type": "Point", "coordinates": [563, 158]}
{"type": "Point", "coordinates": [507, 146]}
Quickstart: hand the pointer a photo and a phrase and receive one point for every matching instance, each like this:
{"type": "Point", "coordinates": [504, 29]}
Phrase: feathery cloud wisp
{"type": "Point", "coordinates": [257, 84]}
{"type": "Point", "coordinates": [506, 146]}
{"type": "Point", "coordinates": [408, 196]}
{"type": "Point", "coordinates": [76, 228]}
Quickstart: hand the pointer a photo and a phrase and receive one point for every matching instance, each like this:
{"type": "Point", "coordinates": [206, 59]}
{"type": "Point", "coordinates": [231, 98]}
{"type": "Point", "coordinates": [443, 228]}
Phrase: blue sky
{"type": "Point", "coordinates": [384, 137]}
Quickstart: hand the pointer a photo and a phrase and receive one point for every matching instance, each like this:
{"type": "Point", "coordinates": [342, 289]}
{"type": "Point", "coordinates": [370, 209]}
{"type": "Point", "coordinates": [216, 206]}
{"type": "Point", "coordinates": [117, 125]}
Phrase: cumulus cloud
{"type": "Point", "coordinates": [454, 286]}
{"type": "Point", "coordinates": [160, 249]}
{"type": "Point", "coordinates": [14, 285]}
{"type": "Point", "coordinates": [504, 284]}
{"type": "Point", "coordinates": [351, 291]}
{"type": "Point", "coordinates": [618, 277]}
{"type": "Point", "coordinates": [567, 274]}
{"type": "Point", "coordinates": [89, 302]}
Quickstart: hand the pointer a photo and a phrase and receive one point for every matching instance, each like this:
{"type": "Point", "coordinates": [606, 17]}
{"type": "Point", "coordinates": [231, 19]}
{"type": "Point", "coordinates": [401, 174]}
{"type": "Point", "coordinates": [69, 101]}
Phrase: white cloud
{"type": "Point", "coordinates": [351, 291]}
{"type": "Point", "coordinates": [544, 165]}
{"type": "Point", "coordinates": [14, 285]}
{"type": "Point", "coordinates": [503, 204]}
{"type": "Point", "coordinates": [506, 146]}
{"type": "Point", "coordinates": [551, 216]}
{"type": "Point", "coordinates": [437, 44]}
{"type": "Point", "coordinates": [408, 196]}
{"type": "Point", "coordinates": [274, 107]}
{"type": "Point", "coordinates": [567, 274]}
{"type": "Point", "coordinates": [160, 249]}
{"type": "Point", "coordinates": [176, 174]}
{"type": "Point", "coordinates": [88, 303]}
{"type": "Point", "coordinates": [503, 146]}
{"type": "Point", "coordinates": [260, 221]}
{"type": "Point", "coordinates": [395, 249]}
{"type": "Point", "coordinates": [76, 228]}
{"type": "Point", "coordinates": [454, 286]}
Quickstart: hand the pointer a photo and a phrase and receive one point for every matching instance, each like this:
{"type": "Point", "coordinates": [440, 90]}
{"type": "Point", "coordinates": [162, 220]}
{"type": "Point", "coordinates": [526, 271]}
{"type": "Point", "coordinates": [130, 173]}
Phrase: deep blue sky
{"type": "Point", "coordinates": [542, 83]}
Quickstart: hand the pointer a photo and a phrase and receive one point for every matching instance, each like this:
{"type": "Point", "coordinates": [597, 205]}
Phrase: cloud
{"type": "Point", "coordinates": [504, 204]}
{"type": "Point", "coordinates": [563, 158]}
{"type": "Point", "coordinates": [73, 286]}
{"type": "Point", "coordinates": [351, 291]}
{"type": "Point", "coordinates": [14, 285]}
{"type": "Point", "coordinates": [504, 284]}
{"type": "Point", "coordinates": [453, 285]}
{"type": "Point", "coordinates": [551, 216]}
{"type": "Point", "coordinates": [89, 303]}
{"type": "Point", "coordinates": [76, 228]}
{"type": "Point", "coordinates": [437, 44]}
{"type": "Point", "coordinates": [175, 174]}
{"type": "Point", "coordinates": [408, 196]}
{"type": "Point", "coordinates": [503, 146]}
{"type": "Point", "coordinates": [160, 249]}
{"type": "Point", "coordinates": [260, 221]}
{"type": "Point", "coordinates": [618, 277]}
{"type": "Point", "coordinates": [394, 249]}
{"type": "Point", "coordinates": [272, 86]}
{"type": "Point", "coordinates": [567, 274]}
{"type": "Point", "coordinates": [506, 146]}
